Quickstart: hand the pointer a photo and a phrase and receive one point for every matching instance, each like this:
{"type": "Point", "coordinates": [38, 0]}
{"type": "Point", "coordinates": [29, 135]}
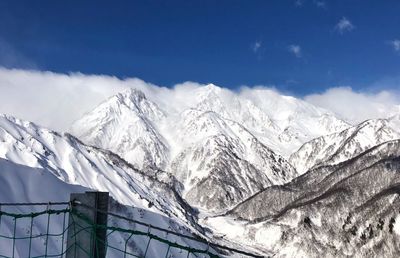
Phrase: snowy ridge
{"type": "Point", "coordinates": [298, 121]}
{"type": "Point", "coordinates": [282, 123]}
{"type": "Point", "coordinates": [338, 147]}
{"type": "Point", "coordinates": [225, 163]}
{"type": "Point", "coordinates": [71, 161]}
{"type": "Point", "coordinates": [348, 209]}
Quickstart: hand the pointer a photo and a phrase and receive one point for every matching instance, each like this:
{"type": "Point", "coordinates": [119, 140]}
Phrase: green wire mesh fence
{"type": "Point", "coordinates": [29, 234]}
{"type": "Point", "coordinates": [47, 231]}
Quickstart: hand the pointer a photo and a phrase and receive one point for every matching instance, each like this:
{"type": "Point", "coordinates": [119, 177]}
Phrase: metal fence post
{"type": "Point", "coordinates": [85, 239]}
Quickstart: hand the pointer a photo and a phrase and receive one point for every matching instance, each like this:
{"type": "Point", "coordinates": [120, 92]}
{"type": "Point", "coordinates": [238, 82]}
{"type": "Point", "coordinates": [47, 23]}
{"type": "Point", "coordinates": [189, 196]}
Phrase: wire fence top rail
{"type": "Point", "coordinates": [90, 227]}
{"type": "Point", "coordinates": [33, 203]}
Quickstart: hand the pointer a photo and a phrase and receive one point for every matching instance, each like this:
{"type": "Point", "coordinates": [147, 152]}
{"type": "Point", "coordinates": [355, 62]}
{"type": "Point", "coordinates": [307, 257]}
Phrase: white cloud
{"type": "Point", "coordinates": [395, 44]}
{"type": "Point", "coordinates": [356, 106]}
{"type": "Point", "coordinates": [256, 46]}
{"type": "Point", "coordinates": [320, 3]}
{"type": "Point", "coordinates": [56, 100]}
{"type": "Point", "coordinates": [344, 25]}
{"type": "Point", "coordinates": [296, 50]}
{"type": "Point", "coordinates": [298, 3]}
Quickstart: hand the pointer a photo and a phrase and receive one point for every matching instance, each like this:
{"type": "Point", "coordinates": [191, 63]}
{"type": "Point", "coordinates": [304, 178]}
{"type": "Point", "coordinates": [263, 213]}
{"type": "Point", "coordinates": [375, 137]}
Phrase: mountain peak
{"type": "Point", "coordinates": [209, 89]}
{"type": "Point", "coordinates": [125, 124]}
{"type": "Point", "coordinates": [131, 95]}
{"type": "Point", "coordinates": [212, 86]}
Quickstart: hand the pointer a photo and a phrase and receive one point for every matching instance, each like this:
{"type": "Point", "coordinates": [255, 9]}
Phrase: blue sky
{"type": "Point", "coordinates": [301, 47]}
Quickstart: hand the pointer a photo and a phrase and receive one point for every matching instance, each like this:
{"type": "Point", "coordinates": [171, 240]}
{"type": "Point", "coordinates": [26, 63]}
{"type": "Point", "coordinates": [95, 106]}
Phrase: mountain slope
{"type": "Point", "coordinates": [126, 125]}
{"type": "Point", "coordinates": [71, 161]}
{"type": "Point", "coordinates": [19, 183]}
{"type": "Point", "coordinates": [223, 162]}
{"type": "Point", "coordinates": [338, 147]}
{"type": "Point", "coordinates": [349, 209]}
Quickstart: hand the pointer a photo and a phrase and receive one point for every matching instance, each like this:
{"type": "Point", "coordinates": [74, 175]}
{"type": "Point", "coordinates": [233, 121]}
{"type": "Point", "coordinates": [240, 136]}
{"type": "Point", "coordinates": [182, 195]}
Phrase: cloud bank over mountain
{"type": "Point", "coordinates": [356, 106]}
{"type": "Point", "coordinates": [56, 100]}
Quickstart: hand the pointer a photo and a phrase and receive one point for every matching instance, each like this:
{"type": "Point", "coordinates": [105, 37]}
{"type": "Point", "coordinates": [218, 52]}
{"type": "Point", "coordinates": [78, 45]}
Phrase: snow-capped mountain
{"type": "Point", "coordinates": [282, 123]}
{"type": "Point", "coordinates": [298, 121]}
{"type": "Point", "coordinates": [217, 138]}
{"type": "Point", "coordinates": [32, 156]}
{"type": "Point", "coordinates": [343, 210]}
{"type": "Point", "coordinates": [72, 162]}
{"type": "Point", "coordinates": [217, 164]}
{"type": "Point", "coordinates": [338, 147]}
{"type": "Point", "coordinates": [126, 125]}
